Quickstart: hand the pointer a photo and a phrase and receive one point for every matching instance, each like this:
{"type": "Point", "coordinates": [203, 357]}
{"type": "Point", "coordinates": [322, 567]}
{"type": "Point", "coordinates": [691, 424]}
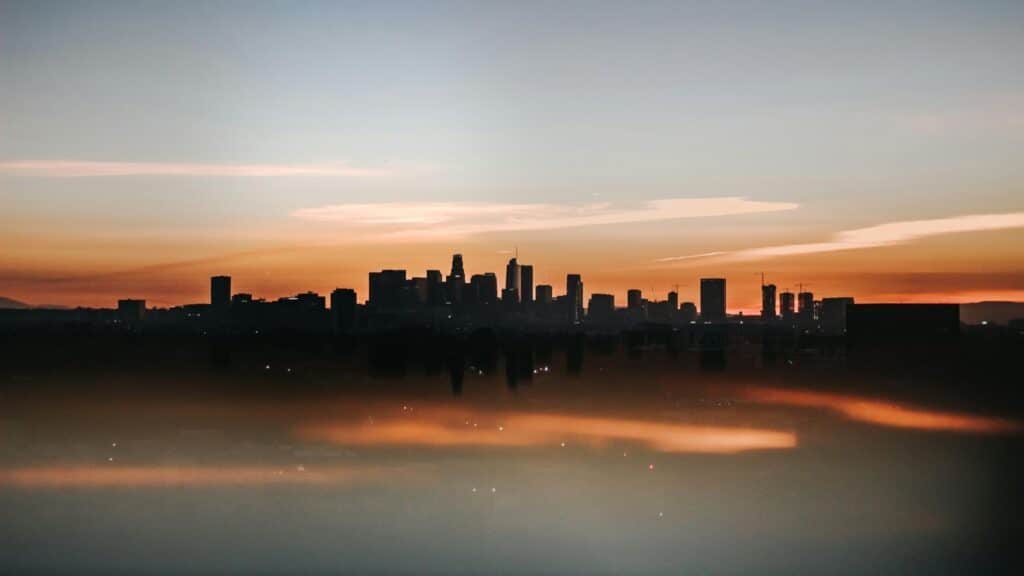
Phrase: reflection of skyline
{"type": "Point", "coordinates": [440, 427]}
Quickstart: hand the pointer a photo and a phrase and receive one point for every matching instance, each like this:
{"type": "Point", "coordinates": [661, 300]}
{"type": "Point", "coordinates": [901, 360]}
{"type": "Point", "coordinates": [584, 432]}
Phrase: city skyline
{"type": "Point", "coordinates": [219, 287]}
{"type": "Point", "coordinates": [870, 151]}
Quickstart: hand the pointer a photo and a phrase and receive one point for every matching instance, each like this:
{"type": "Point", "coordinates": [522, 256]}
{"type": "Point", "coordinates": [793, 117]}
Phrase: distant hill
{"type": "Point", "coordinates": [8, 303]}
{"type": "Point", "coordinates": [993, 312]}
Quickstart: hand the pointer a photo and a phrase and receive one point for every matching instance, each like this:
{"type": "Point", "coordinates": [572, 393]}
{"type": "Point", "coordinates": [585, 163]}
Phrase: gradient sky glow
{"type": "Point", "coordinates": [867, 151]}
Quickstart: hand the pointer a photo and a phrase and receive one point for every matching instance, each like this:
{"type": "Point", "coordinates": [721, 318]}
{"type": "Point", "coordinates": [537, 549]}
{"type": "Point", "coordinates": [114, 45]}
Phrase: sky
{"type": "Point", "coordinates": [871, 151]}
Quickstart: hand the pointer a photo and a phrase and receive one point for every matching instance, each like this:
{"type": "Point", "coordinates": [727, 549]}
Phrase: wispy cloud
{"type": "Point", "coordinates": [446, 219]}
{"type": "Point", "coordinates": [690, 257]}
{"type": "Point", "coordinates": [86, 169]}
{"type": "Point", "coordinates": [889, 234]}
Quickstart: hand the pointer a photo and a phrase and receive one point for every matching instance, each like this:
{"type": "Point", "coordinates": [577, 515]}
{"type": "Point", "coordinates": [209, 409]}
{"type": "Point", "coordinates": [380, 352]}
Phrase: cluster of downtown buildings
{"type": "Point", "coordinates": [460, 301]}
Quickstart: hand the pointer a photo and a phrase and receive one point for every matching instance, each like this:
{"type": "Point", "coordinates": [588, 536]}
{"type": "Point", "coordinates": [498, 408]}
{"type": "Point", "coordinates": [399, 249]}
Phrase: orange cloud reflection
{"type": "Point", "coordinates": [88, 476]}
{"type": "Point", "coordinates": [882, 413]}
{"type": "Point", "coordinates": [449, 428]}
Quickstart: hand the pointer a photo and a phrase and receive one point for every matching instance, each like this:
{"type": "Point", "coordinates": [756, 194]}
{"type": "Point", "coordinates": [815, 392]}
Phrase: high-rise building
{"type": "Point", "coordinates": [419, 288]}
{"type": "Point", "coordinates": [545, 294]}
{"type": "Point", "coordinates": [634, 300]}
{"type": "Point", "coordinates": [435, 288]}
{"type": "Point", "coordinates": [526, 283]}
{"type": "Point", "coordinates": [673, 301]}
{"type": "Point", "coordinates": [574, 297]}
{"type": "Point", "coordinates": [343, 309]}
{"type": "Point", "coordinates": [806, 302]}
{"type": "Point", "coordinates": [484, 288]}
{"type": "Point", "coordinates": [129, 310]}
{"type": "Point", "coordinates": [688, 312]}
{"type": "Point", "coordinates": [457, 269]}
{"type": "Point", "coordinates": [833, 315]}
{"type": "Point", "coordinates": [601, 308]}
{"type": "Point", "coordinates": [386, 288]}
{"type": "Point", "coordinates": [768, 302]}
{"type": "Point", "coordinates": [786, 301]}
{"type": "Point", "coordinates": [456, 280]}
{"type": "Point", "coordinates": [220, 291]}
{"type": "Point", "coordinates": [712, 299]}
{"type": "Point", "coordinates": [513, 286]}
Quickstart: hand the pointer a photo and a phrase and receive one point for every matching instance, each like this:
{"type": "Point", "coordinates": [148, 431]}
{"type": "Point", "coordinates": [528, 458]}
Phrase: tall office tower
{"type": "Point", "coordinates": [435, 288]}
{"type": "Point", "coordinates": [457, 269]}
{"type": "Point", "coordinates": [386, 288]}
{"type": "Point", "coordinates": [574, 297]}
{"type": "Point", "coordinates": [673, 301]}
{"type": "Point", "coordinates": [343, 309]}
{"type": "Point", "coordinates": [634, 300]}
{"type": "Point", "coordinates": [786, 305]}
{"type": "Point", "coordinates": [484, 288]}
{"type": "Point", "coordinates": [545, 294]}
{"type": "Point", "coordinates": [806, 302]}
{"type": "Point", "coordinates": [768, 302]}
{"type": "Point", "coordinates": [712, 299]}
{"type": "Point", "coordinates": [419, 290]}
{"type": "Point", "coordinates": [601, 308]}
{"type": "Point", "coordinates": [513, 286]}
{"type": "Point", "coordinates": [526, 283]}
{"type": "Point", "coordinates": [833, 314]}
{"type": "Point", "coordinates": [688, 312]}
{"type": "Point", "coordinates": [456, 280]}
{"type": "Point", "coordinates": [220, 291]}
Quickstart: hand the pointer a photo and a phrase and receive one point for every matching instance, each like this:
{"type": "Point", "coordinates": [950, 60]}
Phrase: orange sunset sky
{"type": "Point", "coordinates": [873, 154]}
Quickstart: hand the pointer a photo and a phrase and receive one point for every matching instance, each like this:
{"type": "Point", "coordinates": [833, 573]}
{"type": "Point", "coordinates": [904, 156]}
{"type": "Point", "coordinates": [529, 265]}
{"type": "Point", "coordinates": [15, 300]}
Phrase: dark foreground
{"type": "Point", "coordinates": [539, 455]}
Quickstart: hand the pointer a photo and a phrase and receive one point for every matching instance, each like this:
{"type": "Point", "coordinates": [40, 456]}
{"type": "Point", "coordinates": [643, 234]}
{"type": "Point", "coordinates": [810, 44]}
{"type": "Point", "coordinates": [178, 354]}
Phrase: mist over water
{"type": "Point", "coordinates": [535, 456]}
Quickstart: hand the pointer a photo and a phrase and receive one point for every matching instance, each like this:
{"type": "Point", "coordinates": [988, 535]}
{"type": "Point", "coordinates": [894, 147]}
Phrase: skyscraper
{"type": "Point", "coordinates": [343, 309]}
{"type": "Point", "coordinates": [386, 288]}
{"type": "Point", "coordinates": [634, 300]}
{"type": "Point", "coordinates": [456, 280]}
{"type": "Point", "coordinates": [673, 301]}
{"type": "Point", "coordinates": [526, 283]}
{"type": "Point", "coordinates": [574, 297]}
{"type": "Point", "coordinates": [601, 308]}
{"type": "Point", "coordinates": [806, 302]}
{"type": "Point", "coordinates": [457, 269]}
{"type": "Point", "coordinates": [768, 302]}
{"type": "Point", "coordinates": [220, 291]}
{"type": "Point", "coordinates": [712, 299]}
{"type": "Point", "coordinates": [786, 305]}
{"type": "Point", "coordinates": [833, 314]}
{"type": "Point", "coordinates": [545, 294]}
{"type": "Point", "coordinates": [435, 288]}
{"type": "Point", "coordinates": [484, 288]}
{"type": "Point", "coordinates": [512, 282]}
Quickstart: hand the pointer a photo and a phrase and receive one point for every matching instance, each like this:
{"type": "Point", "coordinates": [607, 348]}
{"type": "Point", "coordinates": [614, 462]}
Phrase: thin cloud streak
{"type": "Point", "coordinates": [458, 219]}
{"type": "Point", "coordinates": [888, 234]}
{"type": "Point", "coordinates": [690, 257]}
{"type": "Point", "coordinates": [89, 169]}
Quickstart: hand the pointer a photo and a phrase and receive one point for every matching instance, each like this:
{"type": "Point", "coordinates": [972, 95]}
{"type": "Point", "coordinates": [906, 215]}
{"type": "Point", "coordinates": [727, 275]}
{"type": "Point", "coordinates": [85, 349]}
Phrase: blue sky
{"type": "Point", "coordinates": [861, 115]}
